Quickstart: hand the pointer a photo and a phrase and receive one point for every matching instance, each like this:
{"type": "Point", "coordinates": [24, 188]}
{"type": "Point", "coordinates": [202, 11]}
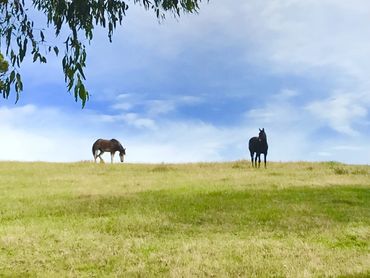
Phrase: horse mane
{"type": "Point", "coordinates": [118, 143]}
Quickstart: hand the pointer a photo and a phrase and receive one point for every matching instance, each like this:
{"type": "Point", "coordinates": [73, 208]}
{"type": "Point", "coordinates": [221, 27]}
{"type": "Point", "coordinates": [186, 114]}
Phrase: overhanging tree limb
{"type": "Point", "coordinates": [19, 37]}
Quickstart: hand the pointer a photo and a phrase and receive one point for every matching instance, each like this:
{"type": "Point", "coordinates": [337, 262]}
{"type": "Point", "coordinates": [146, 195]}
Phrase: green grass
{"type": "Point", "coordinates": [204, 219]}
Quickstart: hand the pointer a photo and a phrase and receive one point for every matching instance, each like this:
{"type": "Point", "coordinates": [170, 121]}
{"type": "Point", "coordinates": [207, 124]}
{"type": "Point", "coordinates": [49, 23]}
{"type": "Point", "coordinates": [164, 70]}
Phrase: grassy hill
{"type": "Point", "coordinates": [181, 220]}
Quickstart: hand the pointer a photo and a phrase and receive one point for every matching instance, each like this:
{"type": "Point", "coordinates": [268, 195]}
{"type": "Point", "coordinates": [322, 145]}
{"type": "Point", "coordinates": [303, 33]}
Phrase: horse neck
{"type": "Point", "coordinates": [119, 147]}
{"type": "Point", "coordinates": [264, 141]}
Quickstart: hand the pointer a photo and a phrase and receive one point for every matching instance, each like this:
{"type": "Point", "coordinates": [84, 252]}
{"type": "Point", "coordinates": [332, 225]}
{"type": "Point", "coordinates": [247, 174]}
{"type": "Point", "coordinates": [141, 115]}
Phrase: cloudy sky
{"type": "Point", "coordinates": [197, 88]}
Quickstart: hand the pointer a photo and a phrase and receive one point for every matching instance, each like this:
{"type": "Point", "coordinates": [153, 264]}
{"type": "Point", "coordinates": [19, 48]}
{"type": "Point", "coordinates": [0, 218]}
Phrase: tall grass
{"type": "Point", "coordinates": [181, 220]}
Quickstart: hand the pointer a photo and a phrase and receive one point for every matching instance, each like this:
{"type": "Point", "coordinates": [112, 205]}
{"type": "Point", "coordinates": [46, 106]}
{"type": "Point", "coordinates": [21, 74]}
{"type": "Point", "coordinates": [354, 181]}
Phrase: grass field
{"type": "Point", "coordinates": [184, 220]}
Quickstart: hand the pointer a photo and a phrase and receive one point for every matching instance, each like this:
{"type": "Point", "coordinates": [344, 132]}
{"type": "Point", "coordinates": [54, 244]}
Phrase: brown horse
{"type": "Point", "coordinates": [101, 145]}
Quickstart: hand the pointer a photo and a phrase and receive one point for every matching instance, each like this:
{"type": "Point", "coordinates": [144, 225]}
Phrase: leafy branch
{"type": "Point", "coordinates": [19, 37]}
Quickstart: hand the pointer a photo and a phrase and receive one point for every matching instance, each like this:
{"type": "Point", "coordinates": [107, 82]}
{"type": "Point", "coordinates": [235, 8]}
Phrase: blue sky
{"type": "Point", "coordinates": [197, 88]}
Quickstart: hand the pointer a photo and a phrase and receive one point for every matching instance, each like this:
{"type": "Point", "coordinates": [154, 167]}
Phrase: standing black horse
{"type": "Point", "coordinates": [101, 145]}
{"type": "Point", "coordinates": [258, 145]}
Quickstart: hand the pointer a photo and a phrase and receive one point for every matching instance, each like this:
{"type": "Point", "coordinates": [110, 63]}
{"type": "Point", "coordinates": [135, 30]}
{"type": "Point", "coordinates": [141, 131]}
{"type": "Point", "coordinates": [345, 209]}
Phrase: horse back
{"type": "Point", "coordinates": [101, 144]}
{"type": "Point", "coordinates": [98, 142]}
{"type": "Point", "coordinates": [107, 145]}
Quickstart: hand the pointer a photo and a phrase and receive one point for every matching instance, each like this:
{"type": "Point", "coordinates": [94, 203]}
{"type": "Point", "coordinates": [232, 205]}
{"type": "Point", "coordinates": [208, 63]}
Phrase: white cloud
{"type": "Point", "coordinates": [347, 148]}
{"type": "Point", "coordinates": [326, 40]}
{"type": "Point", "coordinates": [341, 111]}
{"type": "Point", "coordinates": [17, 113]}
{"type": "Point", "coordinates": [30, 133]}
{"type": "Point", "coordinates": [29, 116]}
{"type": "Point", "coordinates": [279, 109]}
{"type": "Point", "coordinates": [136, 120]}
{"type": "Point", "coordinates": [151, 109]}
{"type": "Point", "coordinates": [179, 141]}
{"type": "Point", "coordinates": [324, 154]}
{"type": "Point", "coordinates": [287, 94]}
{"type": "Point", "coordinates": [158, 107]}
{"type": "Point", "coordinates": [164, 106]}
{"type": "Point", "coordinates": [306, 36]}
{"type": "Point", "coordinates": [323, 39]}
{"type": "Point", "coordinates": [123, 106]}
{"type": "Point", "coordinates": [130, 119]}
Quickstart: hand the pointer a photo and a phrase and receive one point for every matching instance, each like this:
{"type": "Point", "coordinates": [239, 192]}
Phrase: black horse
{"type": "Point", "coordinates": [258, 145]}
{"type": "Point", "coordinates": [101, 145]}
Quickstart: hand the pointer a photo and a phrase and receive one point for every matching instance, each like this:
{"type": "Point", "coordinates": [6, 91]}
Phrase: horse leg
{"type": "Point", "coordinates": [265, 154]}
{"type": "Point", "coordinates": [255, 160]}
{"type": "Point", "coordinates": [96, 155]}
{"type": "Point", "coordinates": [101, 159]}
{"type": "Point", "coordinates": [259, 160]}
{"type": "Point", "coordinates": [252, 154]}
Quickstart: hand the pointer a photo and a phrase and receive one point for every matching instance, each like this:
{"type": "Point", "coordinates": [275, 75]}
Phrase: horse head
{"type": "Point", "coordinates": [122, 154]}
{"type": "Point", "coordinates": [262, 135]}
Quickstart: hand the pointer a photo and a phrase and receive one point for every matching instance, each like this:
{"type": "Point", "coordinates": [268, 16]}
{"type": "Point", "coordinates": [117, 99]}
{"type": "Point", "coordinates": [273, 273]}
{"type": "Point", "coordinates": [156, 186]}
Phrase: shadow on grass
{"type": "Point", "coordinates": [297, 210]}
{"type": "Point", "coordinates": [357, 275]}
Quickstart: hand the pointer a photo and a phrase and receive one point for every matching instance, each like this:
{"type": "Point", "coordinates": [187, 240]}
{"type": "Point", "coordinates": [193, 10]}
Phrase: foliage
{"type": "Point", "coordinates": [4, 66]}
{"type": "Point", "coordinates": [184, 220]}
{"type": "Point", "coordinates": [19, 36]}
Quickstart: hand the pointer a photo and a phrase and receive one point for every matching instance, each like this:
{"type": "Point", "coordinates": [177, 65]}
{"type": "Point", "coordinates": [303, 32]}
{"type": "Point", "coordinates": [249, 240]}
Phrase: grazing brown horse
{"type": "Point", "coordinates": [258, 145]}
{"type": "Point", "coordinates": [101, 145]}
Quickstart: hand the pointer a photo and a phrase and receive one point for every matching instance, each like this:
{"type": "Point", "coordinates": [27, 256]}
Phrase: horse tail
{"type": "Point", "coordinates": [93, 149]}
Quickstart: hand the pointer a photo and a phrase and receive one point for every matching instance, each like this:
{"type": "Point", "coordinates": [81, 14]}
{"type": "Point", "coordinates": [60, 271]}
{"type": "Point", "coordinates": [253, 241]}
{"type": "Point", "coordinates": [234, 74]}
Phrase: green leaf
{"type": "Point", "coordinates": [80, 70]}
{"type": "Point", "coordinates": [12, 76]}
{"type": "Point", "coordinates": [56, 50]}
{"type": "Point", "coordinates": [82, 95]}
{"type": "Point", "coordinates": [35, 55]}
{"type": "Point", "coordinates": [76, 91]}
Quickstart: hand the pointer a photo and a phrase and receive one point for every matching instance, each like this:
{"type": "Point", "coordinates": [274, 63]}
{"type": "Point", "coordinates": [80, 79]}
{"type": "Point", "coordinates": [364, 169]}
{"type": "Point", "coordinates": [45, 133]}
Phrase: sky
{"type": "Point", "coordinates": [196, 88]}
